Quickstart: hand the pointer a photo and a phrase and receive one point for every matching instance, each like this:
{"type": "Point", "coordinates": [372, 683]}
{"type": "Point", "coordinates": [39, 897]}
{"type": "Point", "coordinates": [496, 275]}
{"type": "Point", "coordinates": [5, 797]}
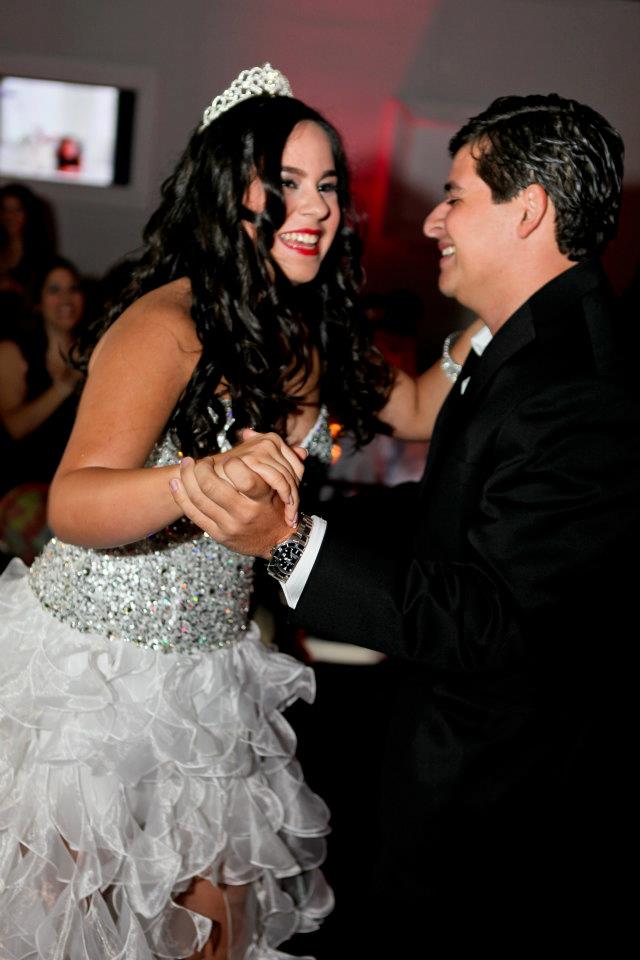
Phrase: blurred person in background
{"type": "Point", "coordinates": [27, 239]}
{"type": "Point", "coordinates": [38, 401]}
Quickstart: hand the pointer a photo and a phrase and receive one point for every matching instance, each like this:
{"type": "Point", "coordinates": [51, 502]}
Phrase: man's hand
{"type": "Point", "coordinates": [237, 497]}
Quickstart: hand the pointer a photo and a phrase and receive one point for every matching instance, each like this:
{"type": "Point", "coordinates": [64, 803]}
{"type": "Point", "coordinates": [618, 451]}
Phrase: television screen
{"type": "Point", "coordinates": [65, 132]}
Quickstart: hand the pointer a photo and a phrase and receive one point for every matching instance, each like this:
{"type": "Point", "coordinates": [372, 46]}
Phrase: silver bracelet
{"type": "Point", "coordinates": [450, 367]}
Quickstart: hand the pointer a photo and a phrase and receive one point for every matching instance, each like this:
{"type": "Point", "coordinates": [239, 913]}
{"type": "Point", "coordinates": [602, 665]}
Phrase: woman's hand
{"type": "Point", "coordinates": [235, 496]}
{"type": "Point", "coordinates": [266, 455]}
{"type": "Point", "coordinates": [63, 377]}
{"type": "Point", "coordinates": [20, 416]}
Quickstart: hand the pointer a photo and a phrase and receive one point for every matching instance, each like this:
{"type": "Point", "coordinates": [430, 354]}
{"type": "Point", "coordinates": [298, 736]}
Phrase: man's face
{"type": "Point", "coordinates": [476, 236]}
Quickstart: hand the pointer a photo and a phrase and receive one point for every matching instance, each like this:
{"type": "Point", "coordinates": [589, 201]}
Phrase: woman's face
{"type": "Point", "coordinates": [61, 301]}
{"type": "Point", "coordinates": [13, 216]}
{"type": "Point", "coordinates": [309, 186]}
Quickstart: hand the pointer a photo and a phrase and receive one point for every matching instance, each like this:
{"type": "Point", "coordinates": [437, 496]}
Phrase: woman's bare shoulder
{"type": "Point", "coordinates": [160, 316]}
{"type": "Point", "coordinates": [10, 352]}
{"type": "Point", "coordinates": [167, 306]}
{"type": "Point", "coordinates": [10, 347]}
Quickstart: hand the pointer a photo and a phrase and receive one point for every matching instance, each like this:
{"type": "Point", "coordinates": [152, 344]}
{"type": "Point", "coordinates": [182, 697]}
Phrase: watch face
{"type": "Point", "coordinates": [286, 556]}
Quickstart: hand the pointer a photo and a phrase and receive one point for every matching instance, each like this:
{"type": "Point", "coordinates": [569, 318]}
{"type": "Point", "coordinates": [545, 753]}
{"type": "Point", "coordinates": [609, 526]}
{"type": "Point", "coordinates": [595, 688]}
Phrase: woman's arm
{"type": "Point", "coordinates": [18, 417]}
{"type": "Point", "coordinates": [102, 494]}
{"type": "Point", "coordinates": [414, 404]}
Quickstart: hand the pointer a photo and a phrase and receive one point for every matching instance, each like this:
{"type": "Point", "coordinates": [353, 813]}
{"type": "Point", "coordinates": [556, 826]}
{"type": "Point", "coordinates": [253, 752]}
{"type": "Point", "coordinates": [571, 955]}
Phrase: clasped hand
{"type": "Point", "coordinates": [63, 377]}
{"type": "Point", "coordinates": [246, 498]}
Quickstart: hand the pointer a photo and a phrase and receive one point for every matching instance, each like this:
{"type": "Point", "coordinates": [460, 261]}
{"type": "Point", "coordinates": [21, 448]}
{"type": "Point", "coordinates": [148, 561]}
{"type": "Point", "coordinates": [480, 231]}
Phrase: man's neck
{"type": "Point", "coordinates": [496, 311]}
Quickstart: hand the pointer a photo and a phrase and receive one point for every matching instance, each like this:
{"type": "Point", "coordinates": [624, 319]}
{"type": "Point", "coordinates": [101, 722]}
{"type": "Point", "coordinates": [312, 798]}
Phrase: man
{"type": "Point", "coordinates": [499, 580]}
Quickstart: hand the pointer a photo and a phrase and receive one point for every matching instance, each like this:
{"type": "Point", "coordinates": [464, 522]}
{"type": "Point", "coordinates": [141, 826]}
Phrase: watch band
{"type": "Point", "coordinates": [285, 555]}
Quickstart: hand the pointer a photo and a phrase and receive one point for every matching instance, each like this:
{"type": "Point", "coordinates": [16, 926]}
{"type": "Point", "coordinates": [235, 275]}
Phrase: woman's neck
{"type": "Point", "coordinates": [58, 338]}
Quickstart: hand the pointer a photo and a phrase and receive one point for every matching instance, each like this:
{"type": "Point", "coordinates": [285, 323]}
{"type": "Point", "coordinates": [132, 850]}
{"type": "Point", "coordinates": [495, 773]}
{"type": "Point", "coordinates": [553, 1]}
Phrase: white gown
{"type": "Point", "coordinates": [142, 744]}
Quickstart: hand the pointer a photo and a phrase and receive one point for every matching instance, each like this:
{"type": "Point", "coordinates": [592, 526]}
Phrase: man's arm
{"type": "Point", "coordinates": [555, 511]}
{"type": "Point", "coordinates": [545, 557]}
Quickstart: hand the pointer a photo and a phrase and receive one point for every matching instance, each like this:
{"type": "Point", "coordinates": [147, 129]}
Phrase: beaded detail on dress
{"type": "Point", "coordinates": [177, 590]}
{"type": "Point", "coordinates": [319, 441]}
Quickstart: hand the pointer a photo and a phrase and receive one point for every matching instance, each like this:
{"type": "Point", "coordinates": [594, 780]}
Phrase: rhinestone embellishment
{"type": "Point", "coordinates": [250, 83]}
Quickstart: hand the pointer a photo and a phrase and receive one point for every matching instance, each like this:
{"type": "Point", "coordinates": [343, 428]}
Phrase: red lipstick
{"type": "Point", "coordinates": [293, 240]}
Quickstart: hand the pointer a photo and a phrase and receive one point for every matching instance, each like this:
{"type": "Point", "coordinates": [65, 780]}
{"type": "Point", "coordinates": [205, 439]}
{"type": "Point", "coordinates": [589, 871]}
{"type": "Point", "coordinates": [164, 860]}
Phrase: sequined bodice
{"type": "Point", "coordinates": [177, 590]}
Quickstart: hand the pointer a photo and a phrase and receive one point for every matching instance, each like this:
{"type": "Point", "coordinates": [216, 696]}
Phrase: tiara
{"type": "Point", "coordinates": [249, 83]}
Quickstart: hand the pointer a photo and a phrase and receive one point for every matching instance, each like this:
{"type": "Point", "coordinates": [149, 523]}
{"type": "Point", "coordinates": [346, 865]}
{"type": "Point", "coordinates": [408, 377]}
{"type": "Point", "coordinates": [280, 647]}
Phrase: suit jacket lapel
{"type": "Point", "coordinates": [459, 405]}
{"type": "Point", "coordinates": [539, 318]}
{"type": "Point", "coordinates": [450, 409]}
{"type": "Point", "coordinates": [509, 340]}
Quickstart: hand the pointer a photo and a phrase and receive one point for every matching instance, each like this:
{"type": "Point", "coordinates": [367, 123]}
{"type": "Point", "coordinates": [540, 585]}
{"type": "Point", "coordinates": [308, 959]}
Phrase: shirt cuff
{"type": "Point", "coordinates": [296, 583]}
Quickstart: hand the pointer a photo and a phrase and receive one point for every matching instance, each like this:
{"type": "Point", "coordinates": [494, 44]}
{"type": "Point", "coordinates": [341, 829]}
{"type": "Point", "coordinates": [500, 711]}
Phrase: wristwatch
{"type": "Point", "coordinates": [285, 555]}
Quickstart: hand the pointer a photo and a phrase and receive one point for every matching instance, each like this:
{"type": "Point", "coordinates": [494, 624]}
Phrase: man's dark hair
{"type": "Point", "coordinates": [567, 148]}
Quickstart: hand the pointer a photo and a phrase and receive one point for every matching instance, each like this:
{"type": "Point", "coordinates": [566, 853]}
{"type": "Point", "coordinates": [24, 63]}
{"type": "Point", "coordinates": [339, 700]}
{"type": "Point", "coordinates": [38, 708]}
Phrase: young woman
{"type": "Point", "coordinates": [151, 804]}
{"type": "Point", "coordinates": [38, 400]}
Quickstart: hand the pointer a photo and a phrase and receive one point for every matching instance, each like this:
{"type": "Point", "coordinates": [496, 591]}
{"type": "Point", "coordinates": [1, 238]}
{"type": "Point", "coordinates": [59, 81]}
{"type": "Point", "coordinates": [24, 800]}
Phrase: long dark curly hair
{"type": "Point", "coordinates": [258, 331]}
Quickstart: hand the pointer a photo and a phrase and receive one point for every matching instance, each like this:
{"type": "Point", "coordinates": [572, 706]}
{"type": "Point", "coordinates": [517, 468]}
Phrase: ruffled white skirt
{"type": "Point", "coordinates": [125, 773]}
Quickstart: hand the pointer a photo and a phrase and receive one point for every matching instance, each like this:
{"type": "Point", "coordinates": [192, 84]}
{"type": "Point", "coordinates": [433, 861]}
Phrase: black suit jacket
{"type": "Point", "coordinates": [499, 582]}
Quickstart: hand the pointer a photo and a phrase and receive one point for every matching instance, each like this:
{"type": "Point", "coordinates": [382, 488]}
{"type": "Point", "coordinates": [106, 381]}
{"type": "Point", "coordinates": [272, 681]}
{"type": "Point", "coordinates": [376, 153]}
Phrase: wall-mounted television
{"type": "Point", "coordinates": [65, 132]}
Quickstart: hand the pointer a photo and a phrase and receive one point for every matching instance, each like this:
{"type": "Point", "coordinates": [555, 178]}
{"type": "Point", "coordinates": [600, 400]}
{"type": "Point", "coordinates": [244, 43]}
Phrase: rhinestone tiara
{"type": "Point", "coordinates": [250, 83]}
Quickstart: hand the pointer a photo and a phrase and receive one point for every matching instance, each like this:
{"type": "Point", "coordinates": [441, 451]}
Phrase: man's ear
{"type": "Point", "coordinates": [533, 203]}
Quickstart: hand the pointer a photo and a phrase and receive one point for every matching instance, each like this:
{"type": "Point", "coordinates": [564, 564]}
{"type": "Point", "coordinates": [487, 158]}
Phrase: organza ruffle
{"type": "Point", "coordinates": [125, 773]}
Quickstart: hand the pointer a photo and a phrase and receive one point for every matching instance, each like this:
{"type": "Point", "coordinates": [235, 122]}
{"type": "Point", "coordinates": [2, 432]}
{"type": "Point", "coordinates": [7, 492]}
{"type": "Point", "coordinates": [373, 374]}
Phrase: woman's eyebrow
{"type": "Point", "coordinates": [303, 173]}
